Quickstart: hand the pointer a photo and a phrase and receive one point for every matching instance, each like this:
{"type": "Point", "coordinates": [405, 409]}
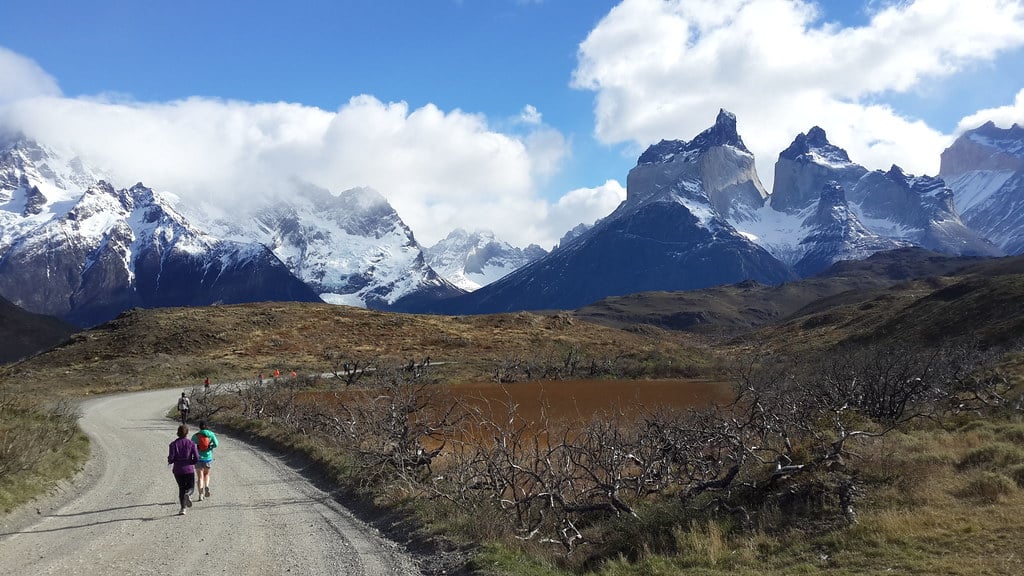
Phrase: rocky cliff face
{"type": "Point", "coordinates": [872, 207]}
{"type": "Point", "coordinates": [669, 234]}
{"type": "Point", "coordinates": [84, 254]}
{"type": "Point", "coordinates": [117, 249]}
{"type": "Point", "coordinates": [351, 248]}
{"type": "Point", "coordinates": [985, 169]}
{"type": "Point", "coordinates": [835, 234]}
{"type": "Point", "coordinates": [805, 168]}
{"type": "Point", "coordinates": [919, 210]}
{"type": "Point", "coordinates": [717, 158]}
{"type": "Point", "coordinates": [471, 260]}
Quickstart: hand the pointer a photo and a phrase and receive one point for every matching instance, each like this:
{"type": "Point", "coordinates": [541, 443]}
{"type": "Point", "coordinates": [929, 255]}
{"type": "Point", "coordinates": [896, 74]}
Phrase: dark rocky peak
{"type": "Point", "coordinates": [832, 206]}
{"type": "Point", "coordinates": [815, 141]}
{"type": "Point", "coordinates": [989, 129]}
{"type": "Point", "coordinates": [534, 252]}
{"type": "Point", "coordinates": [140, 194]}
{"type": "Point", "coordinates": [896, 174]}
{"type": "Point", "coordinates": [832, 194]}
{"type": "Point", "coordinates": [922, 185]}
{"type": "Point", "coordinates": [816, 137]}
{"type": "Point", "coordinates": [723, 133]}
{"type": "Point", "coordinates": [34, 202]}
{"type": "Point", "coordinates": [571, 235]}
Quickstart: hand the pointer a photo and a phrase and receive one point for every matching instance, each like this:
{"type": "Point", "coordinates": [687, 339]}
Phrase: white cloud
{"type": "Point", "coordinates": [23, 78]}
{"type": "Point", "coordinates": [663, 68]}
{"type": "Point", "coordinates": [440, 170]}
{"type": "Point", "coordinates": [530, 115]}
{"type": "Point", "coordinates": [583, 206]}
{"type": "Point", "coordinates": [1002, 116]}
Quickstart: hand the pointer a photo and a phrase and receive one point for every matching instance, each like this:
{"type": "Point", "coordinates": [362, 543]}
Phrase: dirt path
{"type": "Point", "coordinates": [121, 517]}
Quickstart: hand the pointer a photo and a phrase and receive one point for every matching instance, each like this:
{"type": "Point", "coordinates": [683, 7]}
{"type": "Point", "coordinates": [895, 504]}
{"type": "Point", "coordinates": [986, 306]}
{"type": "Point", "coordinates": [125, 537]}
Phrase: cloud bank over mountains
{"type": "Point", "coordinates": [658, 69]}
{"type": "Point", "coordinates": [662, 68]}
{"type": "Point", "coordinates": [438, 169]}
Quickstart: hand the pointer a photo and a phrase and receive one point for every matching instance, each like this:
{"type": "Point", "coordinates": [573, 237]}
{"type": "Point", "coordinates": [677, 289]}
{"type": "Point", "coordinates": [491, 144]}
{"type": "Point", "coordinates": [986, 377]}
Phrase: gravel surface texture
{"type": "Point", "coordinates": [120, 515]}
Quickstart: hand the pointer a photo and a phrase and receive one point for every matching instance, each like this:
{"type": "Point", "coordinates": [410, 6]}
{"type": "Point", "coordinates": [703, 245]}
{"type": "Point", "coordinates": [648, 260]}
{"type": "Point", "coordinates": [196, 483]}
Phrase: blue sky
{"type": "Point", "coordinates": [519, 116]}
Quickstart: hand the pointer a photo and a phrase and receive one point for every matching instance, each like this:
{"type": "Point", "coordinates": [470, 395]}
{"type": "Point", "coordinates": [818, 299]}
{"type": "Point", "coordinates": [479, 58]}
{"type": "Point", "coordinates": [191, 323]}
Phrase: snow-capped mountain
{"type": "Point", "coordinates": [351, 248]}
{"type": "Point", "coordinates": [873, 210]}
{"type": "Point", "coordinates": [835, 234]}
{"type": "Point", "coordinates": [716, 158]}
{"type": "Point", "coordinates": [471, 260]}
{"type": "Point", "coordinates": [919, 210]}
{"type": "Point", "coordinates": [86, 255]}
{"type": "Point", "coordinates": [809, 165]}
{"type": "Point", "coordinates": [985, 169]}
{"type": "Point", "coordinates": [667, 235]}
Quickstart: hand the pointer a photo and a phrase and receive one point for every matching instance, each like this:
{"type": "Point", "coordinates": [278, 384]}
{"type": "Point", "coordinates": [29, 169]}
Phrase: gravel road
{"type": "Point", "coordinates": [120, 515]}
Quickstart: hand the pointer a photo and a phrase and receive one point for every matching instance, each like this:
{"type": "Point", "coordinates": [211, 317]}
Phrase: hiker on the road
{"type": "Point", "coordinates": [182, 455]}
{"type": "Point", "coordinates": [183, 407]}
{"type": "Point", "coordinates": [205, 442]}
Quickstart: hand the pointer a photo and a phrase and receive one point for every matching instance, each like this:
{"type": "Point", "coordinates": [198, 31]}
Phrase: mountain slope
{"type": "Point", "coordinates": [351, 248]}
{"type": "Point", "coordinates": [836, 234]}
{"type": "Point", "coordinates": [985, 169]}
{"type": "Point", "coordinates": [666, 235]}
{"type": "Point", "coordinates": [732, 309]}
{"type": "Point", "coordinates": [85, 256]}
{"type": "Point", "coordinates": [471, 260]}
{"type": "Point", "coordinates": [24, 334]}
{"type": "Point", "coordinates": [809, 223]}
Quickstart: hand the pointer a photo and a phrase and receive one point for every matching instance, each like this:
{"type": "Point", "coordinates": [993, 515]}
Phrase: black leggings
{"type": "Point", "coordinates": [186, 484]}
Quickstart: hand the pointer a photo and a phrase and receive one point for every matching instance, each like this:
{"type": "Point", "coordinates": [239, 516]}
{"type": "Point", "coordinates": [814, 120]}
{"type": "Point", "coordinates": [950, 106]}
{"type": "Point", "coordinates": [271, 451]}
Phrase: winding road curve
{"type": "Point", "coordinates": [120, 516]}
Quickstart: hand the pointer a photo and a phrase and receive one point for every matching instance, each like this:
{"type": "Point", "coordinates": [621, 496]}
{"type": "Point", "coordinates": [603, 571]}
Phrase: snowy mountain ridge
{"type": "Point", "coordinates": [474, 259]}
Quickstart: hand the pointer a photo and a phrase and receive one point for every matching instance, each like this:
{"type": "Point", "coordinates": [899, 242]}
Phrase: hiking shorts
{"type": "Point", "coordinates": [204, 464]}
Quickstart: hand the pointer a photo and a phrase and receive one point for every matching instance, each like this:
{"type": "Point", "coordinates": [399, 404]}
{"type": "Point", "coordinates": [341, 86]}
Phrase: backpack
{"type": "Point", "coordinates": [204, 443]}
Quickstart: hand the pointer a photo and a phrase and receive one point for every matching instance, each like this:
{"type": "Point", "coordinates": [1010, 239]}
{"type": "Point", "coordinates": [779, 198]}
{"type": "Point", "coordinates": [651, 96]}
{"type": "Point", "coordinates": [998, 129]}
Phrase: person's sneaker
{"type": "Point", "coordinates": [200, 497]}
{"type": "Point", "coordinates": [181, 512]}
{"type": "Point", "coordinates": [188, 501]}
{"type": "Point", "coordinates": [207, 491]}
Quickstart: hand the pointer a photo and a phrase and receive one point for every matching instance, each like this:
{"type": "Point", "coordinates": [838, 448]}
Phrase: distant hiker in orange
{"type": "Point", "coordinates": [206, 384]}
{"type": "Point", "coordinates": [277, 374]}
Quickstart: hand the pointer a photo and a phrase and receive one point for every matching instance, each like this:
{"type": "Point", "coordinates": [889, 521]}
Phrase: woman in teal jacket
{"type": "Point", "coordinates": [205, 441]}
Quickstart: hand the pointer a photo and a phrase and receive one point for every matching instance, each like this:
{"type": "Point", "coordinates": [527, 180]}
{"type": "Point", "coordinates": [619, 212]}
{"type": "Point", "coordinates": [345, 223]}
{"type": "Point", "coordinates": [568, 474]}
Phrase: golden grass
{"type": "Point", "coordinates": [181, 346]}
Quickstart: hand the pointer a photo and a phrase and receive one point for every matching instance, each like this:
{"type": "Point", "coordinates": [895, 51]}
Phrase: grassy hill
{"type": "Point", "coordinates": [182, 346]}
{"type": "Point", "coordinates": [735, 309]}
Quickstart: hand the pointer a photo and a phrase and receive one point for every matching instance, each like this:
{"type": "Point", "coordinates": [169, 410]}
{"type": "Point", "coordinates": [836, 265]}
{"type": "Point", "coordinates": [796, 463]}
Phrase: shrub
{"type": "Point", "coordinates": [988, 487]}
{"type": "Point", "coordinates": [998, 455]}
{"type": "Point", "coordinates": [1017, 473]}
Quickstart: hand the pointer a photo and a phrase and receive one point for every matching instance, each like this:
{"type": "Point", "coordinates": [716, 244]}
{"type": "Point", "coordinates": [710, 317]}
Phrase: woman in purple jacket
{"type": "Point", "coordinates": [183, 456]}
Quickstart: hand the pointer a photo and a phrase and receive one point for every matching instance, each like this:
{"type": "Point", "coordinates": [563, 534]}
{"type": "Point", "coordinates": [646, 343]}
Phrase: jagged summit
{"type": "Point", "coordinates": [714, 170]}
{"type": "Point", "coordinates": [1013, 135]}
{"type": "Point", "coordinates": [470, 260]}
{"type": "Point", "coordinates": [112, 249]}
{"type": "Point", "coordinates": [806, 166]}
{"type": "Point", "coordinates": [814, 146]}
{"type": "Point", "coordinates": [723, 133]}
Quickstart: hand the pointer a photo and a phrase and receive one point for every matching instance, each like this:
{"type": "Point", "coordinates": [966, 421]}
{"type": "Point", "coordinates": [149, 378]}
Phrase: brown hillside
{"type": "Point", "coordinates": [181, 346]}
